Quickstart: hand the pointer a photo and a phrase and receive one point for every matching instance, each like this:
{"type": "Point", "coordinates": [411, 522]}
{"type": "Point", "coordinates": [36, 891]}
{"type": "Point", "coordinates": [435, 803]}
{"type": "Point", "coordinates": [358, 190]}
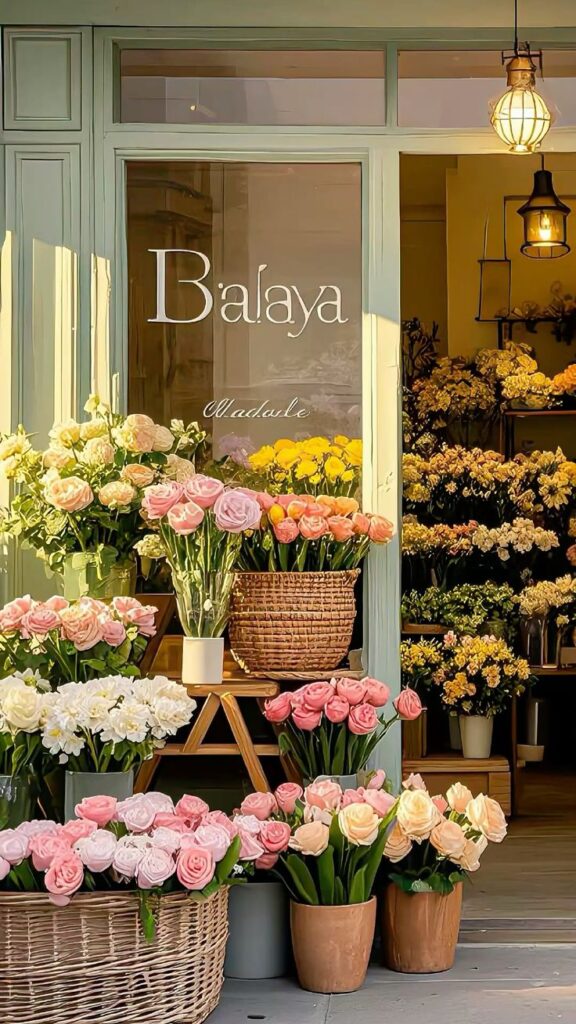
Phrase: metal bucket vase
{"type": "Point", "coordinates": [259, 931]}
{"type": "Point", "coordinates": [78, 785]}
{"type": "Point", "coordinates": [292, 621]}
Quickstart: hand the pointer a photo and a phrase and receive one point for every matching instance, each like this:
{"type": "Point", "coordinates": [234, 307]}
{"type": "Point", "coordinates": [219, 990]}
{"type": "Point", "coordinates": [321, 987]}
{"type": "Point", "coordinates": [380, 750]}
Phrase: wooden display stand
{"type": "Point", "coordinates": [490, 776]}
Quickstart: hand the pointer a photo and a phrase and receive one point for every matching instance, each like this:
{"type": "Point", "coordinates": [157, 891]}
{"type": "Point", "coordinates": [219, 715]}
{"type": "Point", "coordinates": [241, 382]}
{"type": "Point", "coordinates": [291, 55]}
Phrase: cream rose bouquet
{"type": "Point", "coordinates": [75, 641]}
{"type": "Point", "coordinates": [435, 841]}
{"type": "Point", "coordinates": [112, 724]}
{"type": "Point", "coordinates": [199, 526]}
{"type": "Point", "coordinates": [325, 844]}
{"type": "Point", "coordinates": [21, 705]}
{"type": "Point", "coordinates": [83, 493]}
{"type": "Point", "coordinates": [332, 728]}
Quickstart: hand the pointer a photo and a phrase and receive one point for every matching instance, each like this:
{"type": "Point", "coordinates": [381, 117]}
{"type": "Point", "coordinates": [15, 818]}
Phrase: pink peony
{"type": "Point", "coordinates": [325, 794]}
{"type": "Point", "coordinates": [275, 836]}
{"type": "Point", "coordinates": [312, 527]}
{"type": "Point", "coordinates": [191, 809]}
{"type": "Point", "coordinates": [380, 801]}
{"type": "Point", "coordinates": [266, 861]}
{"type": "Point", "coordinates": [286, 531]}
{"type": "Point", "coordinates": [352, 690]}
{"type": "Point", "coordinates": [113, 632]}
{"type": "Point", "coordinates": [185, 518]}
{"type": "Point", "coordinates": [305, 719]}
{"type": "Point", "coordinates": [377, 779]}
{"type": "Point", "coordinates": [286, 796]}
{"type": "Point", "coordinates": [408, 704]}
{"type": "Point", "coordinates": [159, 498]}
{"type": "Point", "coordinates": [250, 848]}
{"type": "Point", "coordinates": [14, 845]}
{"type": "Point", "coordinates": [195, 867]}
{"type": "Point", "coordinates": [235, 512]}
{"type": "Point", "coordinates": [56, 603]}
{"type": "Point", "coordinates": [380, 530]}
{"type": "Point", "coordinates": [64, 877]}
{"type": "Point", "coordinates": [39, 621]}
{"type": "Point", "coordinates": [337, 709]}
{"type": "Point", "coordinates": [362, 719]}
{"type": "Point", "coordinates": [377, 693]}
{"type": "Point", "coordinates": [341, 528]}
{"type": "Point", "coordinates": [77, 829]}
{"type": "Point", "coordinates": [12, 613]}
{"type": "Point", "coordinates": [100, 809]}
{"type": "Point", "coordinates": [97, 850]}
{"type": "Point", "coordinates": [134, 613]}
{"type": "Point", "coordinates": [81, 626]}
{"type": "Point", "coordinates": [278, 709]}
{"type": "Point", "coordinates": [155, 867]}
{"type": "Point", "coordinates": [261, 805]}
{"type": "Point", "coordinates": [212, 837]}
{"type": "Point", "coordinates": [317, 694]}
{"type": "Point", "coordinates": [203, 490]}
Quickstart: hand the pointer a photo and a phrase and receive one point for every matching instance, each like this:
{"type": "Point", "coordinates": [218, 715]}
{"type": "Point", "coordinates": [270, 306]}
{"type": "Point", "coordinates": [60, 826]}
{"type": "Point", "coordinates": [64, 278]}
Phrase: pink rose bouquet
{"type": "Point", "coordinates": [81, 496]}
{"type": "Point", "coordinates": [332, 728]}
{"type": "Point", "coordinates": [328, 846]}
{"type": "Point", "coordinates": [77, 640]}
{"type": "Point", "coordinates": [112, 845]}
{"type": "Point", "coordinates": [306, 533]}
{"type": "Point", "coordinates": [435, 840]}
{"type": "Point", "coordinates": [200, 525]}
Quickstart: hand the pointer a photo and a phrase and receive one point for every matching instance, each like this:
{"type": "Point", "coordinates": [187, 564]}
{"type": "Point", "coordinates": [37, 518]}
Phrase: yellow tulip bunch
{"type": "Point", "coordinates": [316, 465]}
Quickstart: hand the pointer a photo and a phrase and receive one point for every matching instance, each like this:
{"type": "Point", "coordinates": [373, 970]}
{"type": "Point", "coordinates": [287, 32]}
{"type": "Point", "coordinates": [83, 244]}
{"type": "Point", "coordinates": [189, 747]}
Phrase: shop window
{"type": "Point", "coordinates": [252, 87]}
{"type": "Point", "coordinates": [453, 88]}
{"type": "Point", "coordinates": [245, 298]}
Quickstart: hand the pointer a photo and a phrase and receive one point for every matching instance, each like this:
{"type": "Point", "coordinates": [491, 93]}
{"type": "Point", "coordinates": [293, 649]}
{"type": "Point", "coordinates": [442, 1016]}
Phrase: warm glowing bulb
{"type": "Point", "coordinates": [545, 228]}
{"type": "Point", "coordinates": [521, 119]}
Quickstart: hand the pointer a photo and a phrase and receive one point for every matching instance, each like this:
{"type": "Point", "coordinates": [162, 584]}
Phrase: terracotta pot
{"type": "Point", "coordinates": [420, 930]}
{"type": "Point", "coordinates": [332, 945]}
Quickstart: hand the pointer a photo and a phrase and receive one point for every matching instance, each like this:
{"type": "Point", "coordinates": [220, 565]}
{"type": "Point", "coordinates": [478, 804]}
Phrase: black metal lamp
{"type": "Point", "coordinates": [544, 216]}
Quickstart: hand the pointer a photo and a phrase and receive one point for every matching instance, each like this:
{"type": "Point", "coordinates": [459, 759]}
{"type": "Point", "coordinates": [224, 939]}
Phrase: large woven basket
{"type": "Point", "coordinates": [89, 963]}
{"type": "Point", "coordinates": [292, 621]}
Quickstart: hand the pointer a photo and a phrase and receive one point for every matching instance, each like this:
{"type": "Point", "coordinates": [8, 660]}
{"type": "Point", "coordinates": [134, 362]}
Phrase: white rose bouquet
{"type": "Point", "coordinates": [112, 723]}
{"type": "Point", "coordinates": [83, 493]}
{"type": "Point", "coordinates": [21, 704]}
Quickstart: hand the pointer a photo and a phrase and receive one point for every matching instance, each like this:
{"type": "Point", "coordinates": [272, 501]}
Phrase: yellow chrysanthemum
{"type": "Point", "coordinates": [306, 468]}
{"type": "Point", "coordinates": [353, 452]}
{"type": "Point", "coordinates": [283, 442]}
{"type": "Point", "coordinates": [286, 458]}
{"type": "Point", "coordinates": [334, 468]}
{"type": "Point", "coordinates": [263, 458]}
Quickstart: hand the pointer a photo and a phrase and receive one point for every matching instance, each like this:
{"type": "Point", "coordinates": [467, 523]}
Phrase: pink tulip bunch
{"type": "Point", "coordinates": [75, 640]}
{"type": "Point", "coordinates": [145, 843]}
{"type": "Point", "coordinates": [332, 727]}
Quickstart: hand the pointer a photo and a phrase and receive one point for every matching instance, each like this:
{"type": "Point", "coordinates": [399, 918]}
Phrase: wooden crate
{"type": "Point", "coordinates": [490, 775]}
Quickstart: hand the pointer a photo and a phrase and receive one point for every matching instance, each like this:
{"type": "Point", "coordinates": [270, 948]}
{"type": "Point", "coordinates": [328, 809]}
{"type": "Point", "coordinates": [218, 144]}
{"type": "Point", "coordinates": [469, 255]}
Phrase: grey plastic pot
{"type": "Point", "coordinates": [259, 943]}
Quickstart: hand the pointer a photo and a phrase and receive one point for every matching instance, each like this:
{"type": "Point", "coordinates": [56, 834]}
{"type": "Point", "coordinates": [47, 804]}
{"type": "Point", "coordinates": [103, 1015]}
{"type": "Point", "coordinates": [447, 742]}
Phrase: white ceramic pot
{"type": "Point", "coordinates": [202, 659]}
{"type": "Point", "coordinates": [476, 731]}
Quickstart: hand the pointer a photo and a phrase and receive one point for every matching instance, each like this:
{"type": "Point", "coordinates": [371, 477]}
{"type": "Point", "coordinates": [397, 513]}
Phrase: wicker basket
{"type": "Point", "coordinates": [89, 963]}
{"type": "Point", "coordinates": [292, 621]}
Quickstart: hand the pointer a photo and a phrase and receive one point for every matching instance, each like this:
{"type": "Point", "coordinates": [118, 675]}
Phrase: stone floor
{"type": "Point", "coordinates": [488, 985]}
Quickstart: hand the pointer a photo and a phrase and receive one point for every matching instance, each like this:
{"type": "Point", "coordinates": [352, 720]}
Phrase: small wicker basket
{"type": "Point", "coordinates": [292, 621]}
{"type": "Point", "coordinates": [89, 963]}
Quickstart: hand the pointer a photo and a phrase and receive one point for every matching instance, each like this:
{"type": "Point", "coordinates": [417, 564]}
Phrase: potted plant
{"type": "Point", "coordinates": [145, 882]}
{"type": "Point", "coordinates": [293, 604]}
{"type": "Point", "coordinates": [466, 608]}
{"type": "Point", "coordinates": [200, 524]}
{"type": "Point", "coordinates": [334, 851]}
{"type": "Point", "coordinates": [259, 921]}
{"type": "Point", "coordinates": [330, 729]}
{"type": "Point", "coordinates": [103, 730]}
{"type": "Point", "coordinates": [20, 748]}
{"type": "Point", "coordinates": [433, 844]}
{"type": "Point", "coordinates": [478, 678]}
{"type": "Point", "coordinates": [79, 501]}
{"type": "Point", "coordinates": [75, 641]}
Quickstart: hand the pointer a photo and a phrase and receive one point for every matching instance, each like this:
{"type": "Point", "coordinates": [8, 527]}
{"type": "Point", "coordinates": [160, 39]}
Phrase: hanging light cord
{"type": "Point", "coordinates": [516, 26]}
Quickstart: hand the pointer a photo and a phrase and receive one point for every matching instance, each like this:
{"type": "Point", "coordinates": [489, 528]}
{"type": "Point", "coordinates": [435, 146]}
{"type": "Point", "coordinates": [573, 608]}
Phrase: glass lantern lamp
{"type": "Point", "coordinates": [520, 117]}
{"type": "Point", "coordinates": [544, 216]}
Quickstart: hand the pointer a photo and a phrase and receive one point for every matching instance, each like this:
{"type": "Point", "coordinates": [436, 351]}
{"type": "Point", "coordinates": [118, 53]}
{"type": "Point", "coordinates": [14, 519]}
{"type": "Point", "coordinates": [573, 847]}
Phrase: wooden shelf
{"type": "Point", "coordinates": [522, 413]}
{"type": "Point", "coordinates": [423, 629]}
{"type": "Point", "coordinates": [551, 670]}
{"type": "Point", "coordinates": [491, 775]}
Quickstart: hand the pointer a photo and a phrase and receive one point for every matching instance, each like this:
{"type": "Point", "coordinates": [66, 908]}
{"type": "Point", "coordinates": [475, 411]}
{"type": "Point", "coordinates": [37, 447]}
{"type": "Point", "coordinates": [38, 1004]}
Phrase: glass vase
{"type": "Point", "coordinates": [203, 601]}
{"type": "Point", "coordinates": [16, 800]}
{"type": "Point", "coordinates": [78, 785]}
{"type": "Point", "coordinates": [534, 639]}
{"type": "Point", "coordinates": [102, 576]}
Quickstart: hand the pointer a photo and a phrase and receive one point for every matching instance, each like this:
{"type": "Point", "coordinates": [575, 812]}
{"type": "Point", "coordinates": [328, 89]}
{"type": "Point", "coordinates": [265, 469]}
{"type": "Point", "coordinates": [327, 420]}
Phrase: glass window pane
{"type": "Point", "coordinates": [245, 298]}
{"type": "Point", "coordinates": [453, 88]}
{"type": "Point", "coordinates": [260, 87]}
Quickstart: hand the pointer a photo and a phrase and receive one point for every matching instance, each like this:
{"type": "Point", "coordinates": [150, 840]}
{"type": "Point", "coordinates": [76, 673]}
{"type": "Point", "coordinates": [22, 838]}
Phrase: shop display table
{"type": "Point", "coordinates": [228, 696]}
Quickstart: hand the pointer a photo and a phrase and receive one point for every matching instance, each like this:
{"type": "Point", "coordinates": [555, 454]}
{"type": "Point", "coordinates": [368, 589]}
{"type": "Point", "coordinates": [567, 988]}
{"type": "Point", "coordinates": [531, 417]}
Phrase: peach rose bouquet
{"type": "Point", "coordinates": [81, 495]}
{"type": "Point", "coordinates": [74, 641]}
{"type": "Point", "coordinates": [331, 728]}
{"type": "Point", "coordinates": [145, 844]}
{"type": "Point", "coordinates": [307, 533]}
{"type": "Point", "coordinates": [436, 840]}
{"type": "Point", "coordinates": [200, 524]}
{"type": "Point", "coordinates": [326, 844]}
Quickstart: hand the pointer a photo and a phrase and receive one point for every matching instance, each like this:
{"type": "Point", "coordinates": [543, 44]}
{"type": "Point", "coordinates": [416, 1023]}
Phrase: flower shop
{"type": "Point", "coordinates": [287, 500]}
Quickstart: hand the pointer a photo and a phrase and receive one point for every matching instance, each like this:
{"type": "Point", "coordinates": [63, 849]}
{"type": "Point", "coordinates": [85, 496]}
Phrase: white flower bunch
{"type": "Point", "coordinates": [540, 598]}
{"type": "Point", "coordinates": [521, 536]}
{"type": "Point", "coordinates": [22, 698]}
{"type": "Point", "coordinates": [113, 719]}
